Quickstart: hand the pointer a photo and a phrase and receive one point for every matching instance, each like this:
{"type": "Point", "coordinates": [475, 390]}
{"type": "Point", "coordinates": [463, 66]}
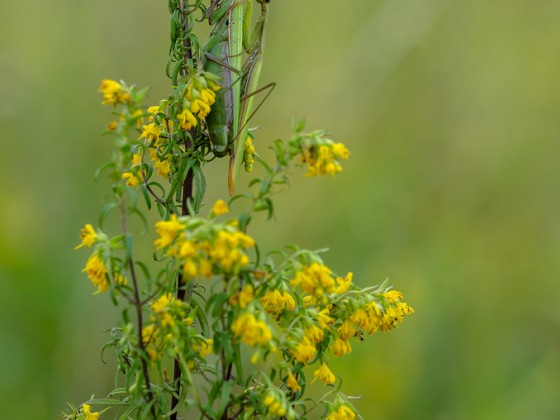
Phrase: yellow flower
{"type": "Point", "coordinates": [200, 108]}
{"type": "Point", "coordinates": [244, 297]}
{"type": "Point", "coordinates": [250, 330]}
{"type": "Point", "coordinates": [342, 413]}
{"type": "Point", "coordinates": [228, 250]}
{"type": "Point", "coordinates": [314, 333]}
{"type": "Point", "coordinates": [113, 93]}
{"type": "Point", "coordinates": [275, 407]}
{"type": "Point", "coordinates": [204, 348]}
{"type": "Point", "coordinates": [220, 207]}
{"type": "Point", "coordinates": [315, 279]}
{"type": "Point", "coordinates": [343, 283]}
{"type": "Point", "coordinates": [167, 231]}
{"type": "Point", "coordinates": [187, 119]}
{"type": "Point", "coordinates": [208, 96]}
{"type": "Point", "coordinates": [131, 180]}
{"type": "Point", "coordinates": [97, 272]}
{"type": "Point", "coordinates": [340, 151]}
{"type": "Point", "coordinates": [292, 383]}
{"type": "Point", "coordinates": [393, 296]}
{"type": "Point", "coordinates": [163, 301]}
{"type": "Point", "coordinates": [120, 279]}
{"type": "Point", "coordinates": [324, 319]}
{"type": "Point", "coordinates": [151, 131]}
{"type": "Point", "coordinates": [88, 236]}
{"type": "Point", "coordinates": [305, 351]}
{"type": "Point", "coordinates": [89, 415]}
{"type": "Point", "coordinates": [341, 347]}
{"type": "Point", "coordinates": [323, 159]}
{"type": "Point", "coordinates": [324, 374]}
{"type": "Point", "coordinates": [275, 302]}
{"type": "Point", "coordinates": [394, 315]}
{"type": "Point", "coordinates": [248, 152]}
{"type": "Point", "coordinates": [151, 339]}
{"type": "Point", "coordinates": [138, 115]}
{"type": "Point", "coordinates": [163, 167]}
{"type": "Point", "coordinates": [346, 330]}
{"type": "Point", "coordinates": [190, 268]}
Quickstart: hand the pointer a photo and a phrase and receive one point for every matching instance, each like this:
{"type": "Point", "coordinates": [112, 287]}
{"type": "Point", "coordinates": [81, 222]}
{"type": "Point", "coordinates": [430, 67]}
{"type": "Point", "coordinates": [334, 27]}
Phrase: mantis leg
{"type": "Point", "coordinates": [251, 73]}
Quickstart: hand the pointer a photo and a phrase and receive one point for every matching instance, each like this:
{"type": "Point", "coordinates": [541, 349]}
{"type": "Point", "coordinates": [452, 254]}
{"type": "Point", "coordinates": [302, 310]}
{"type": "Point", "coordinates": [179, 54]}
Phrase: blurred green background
{"type": "Point", "coordinates": [450, 110]}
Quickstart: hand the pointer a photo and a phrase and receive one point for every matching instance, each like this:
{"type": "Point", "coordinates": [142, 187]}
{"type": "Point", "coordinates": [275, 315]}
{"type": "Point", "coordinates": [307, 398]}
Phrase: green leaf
{"type": "Point", "coordinates": [128, 245]}
{"type": "Point", "coordinates": [146, 195]}
{"type": "Point", "coordinates": [200, 316]}
{"type": "Point", "coordinates": [184, 167]}
{"type": "Point", "coordinates": [244, 220]}
{"type": "Point", "coordinates": [104, 212]}
{"type": "Point", "coordinates": [144, 269]}
{"type": "Point", "coordinates": [134, 210]}
{"type": "Point", "coordinates": [224, 397]}
{"type": "Point", "coordinates": [200, 187]}
{"type": "Point", "coordinates": [99, 170]}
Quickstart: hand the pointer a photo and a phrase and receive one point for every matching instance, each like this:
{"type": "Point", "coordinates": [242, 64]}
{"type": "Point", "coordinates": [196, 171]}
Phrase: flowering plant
{"type": "Point", "coordinates": [213, 326]}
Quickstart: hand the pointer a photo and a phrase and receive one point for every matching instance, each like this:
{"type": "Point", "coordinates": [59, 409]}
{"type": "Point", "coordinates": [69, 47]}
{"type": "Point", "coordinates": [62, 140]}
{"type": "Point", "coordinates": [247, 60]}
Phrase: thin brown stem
{"type": "Point", "coordinates": [150, 190]}
{"type": "Point", "coordinates": [139, 321]}
{"type": "Point", "coordinates": [186, 197]}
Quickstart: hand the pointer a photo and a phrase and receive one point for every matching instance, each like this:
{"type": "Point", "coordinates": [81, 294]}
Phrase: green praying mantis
{"type": "Point", "coordinates": [229, 40]}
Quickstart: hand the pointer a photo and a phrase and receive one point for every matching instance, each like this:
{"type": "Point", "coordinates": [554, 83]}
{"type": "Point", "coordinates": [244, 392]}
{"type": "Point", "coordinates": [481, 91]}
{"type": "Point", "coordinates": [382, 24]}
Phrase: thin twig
{"type": "Point", "coordinates": [187, 195]}
{"type": "Point", "coordinates": [139, 321]}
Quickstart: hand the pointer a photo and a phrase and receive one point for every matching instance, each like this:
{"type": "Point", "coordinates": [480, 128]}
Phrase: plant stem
{"type": "Point", "coordinates": [186, 196]}
{"type": "Point", "coordinates": [139, 320]}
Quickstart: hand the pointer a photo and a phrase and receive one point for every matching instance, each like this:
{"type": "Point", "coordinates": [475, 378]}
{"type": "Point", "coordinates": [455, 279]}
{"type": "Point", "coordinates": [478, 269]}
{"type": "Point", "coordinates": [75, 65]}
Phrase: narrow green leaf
{"type": "Point", "coordinates": [224, 398]}
{"type": "Point", "coordinates": [104, 212]}
{"type": "Point", "coordinates": [146, 195]}
{"type": "Point", "coordinates": [200, 187]}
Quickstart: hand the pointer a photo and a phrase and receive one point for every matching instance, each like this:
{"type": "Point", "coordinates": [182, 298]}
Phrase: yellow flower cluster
{"type": "Point", "coordinates": [276, 405]}
{"type": "Point", "coordinates": [305, 351]}
{"type": "Point", "coordinates": [248, 155]}
{"type": "Point", "coordinates": [204, 347]}
{"type": "Point", "coordinates": [133, 178]}
{"type": "Point", "coordinates": [250, 330]}
{"type": "Point", "coordinates": [219, 208]}
{"type": "Point", "coordinates": [396, 311]}
{"type": "Point", "coordinates": [154, 342]}
{"type": "Point", "coordinates": [199, 97]}
{"type": "Point", "coordinates": [341, 347]}
{"type": "Point", "coordinates": [275, 301]}
{"type": "Point", "coordinates": [317, 280]}
{"type": "Point", "coordinates": [343, 412]}
{"type": "Point", "coordinates": [164, 307]}
{"type": "Point", "coordinates": [152, 133]}
{"type": "Point", "coordinates": [324, 374]}
{"type": "Point", "coordinates": [369, 319]}
{"type": "Point", "coordinates": [113, 93]}
{"type": "Point", "coordinates": [324, 159]}
{"type": "Point", "coordinates": [212, 249]}
{"type": "Point", "coordinates": [168, 230]}
{"type": "Point", "coordinates": [244, 297]}
{"type": "Point", "coordinates": [167, 310]}
{"type": "Point", "coordinates": [97, 272]}
{"type": "Point", "coordinates": [292, 383]}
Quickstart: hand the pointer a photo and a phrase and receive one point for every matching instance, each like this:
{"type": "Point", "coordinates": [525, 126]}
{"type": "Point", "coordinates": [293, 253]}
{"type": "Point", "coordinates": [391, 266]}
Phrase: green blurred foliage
{"type": "Point", "coordinates": [452, 190]}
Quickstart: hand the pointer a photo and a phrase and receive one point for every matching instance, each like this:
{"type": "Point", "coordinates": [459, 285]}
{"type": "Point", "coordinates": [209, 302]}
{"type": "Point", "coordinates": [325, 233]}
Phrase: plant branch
{"type": "Point", "coordinates": [139, 320]}
{"type": "Point", "coordinates": [187, 195]}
